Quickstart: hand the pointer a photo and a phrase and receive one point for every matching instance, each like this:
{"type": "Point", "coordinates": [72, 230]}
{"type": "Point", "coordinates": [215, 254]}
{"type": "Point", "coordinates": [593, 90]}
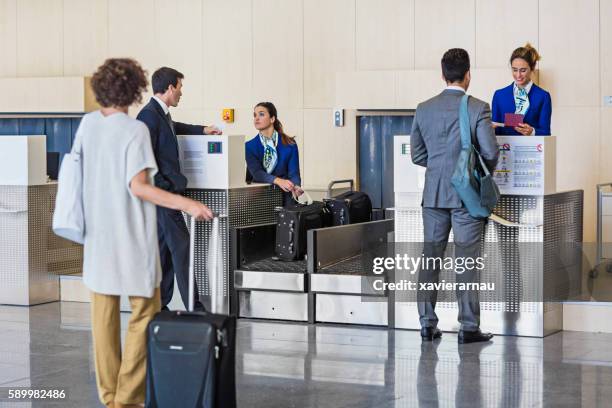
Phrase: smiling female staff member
{"type": "Point", "coordinates": [272, 156]}
{"type": "Point", "coordinates": [523, 97]}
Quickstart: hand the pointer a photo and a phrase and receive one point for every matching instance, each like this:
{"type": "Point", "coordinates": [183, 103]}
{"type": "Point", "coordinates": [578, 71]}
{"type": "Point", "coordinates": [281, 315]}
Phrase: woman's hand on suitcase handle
{"type": "Point", "coordinates": [199, 211]}
{"type": "Point", "coordinates": [285, 185]}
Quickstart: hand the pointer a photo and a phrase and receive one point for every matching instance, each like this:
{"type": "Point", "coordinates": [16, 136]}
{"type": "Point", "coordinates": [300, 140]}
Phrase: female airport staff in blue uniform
{"type": "Point", "coordinates": [272, 156]}
{"type": "Point", "coordinates": [523, 97]}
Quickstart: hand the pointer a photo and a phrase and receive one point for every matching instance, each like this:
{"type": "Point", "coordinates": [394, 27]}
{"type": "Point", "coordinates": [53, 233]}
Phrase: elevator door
{"type": "Point", "coordinates": [376, 155]}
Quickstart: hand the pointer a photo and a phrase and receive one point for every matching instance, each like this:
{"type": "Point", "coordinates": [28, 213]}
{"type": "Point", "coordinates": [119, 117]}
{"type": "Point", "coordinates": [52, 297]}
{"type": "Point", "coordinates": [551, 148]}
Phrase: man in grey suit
{"type": "Point", "coordinates": [435, 144]}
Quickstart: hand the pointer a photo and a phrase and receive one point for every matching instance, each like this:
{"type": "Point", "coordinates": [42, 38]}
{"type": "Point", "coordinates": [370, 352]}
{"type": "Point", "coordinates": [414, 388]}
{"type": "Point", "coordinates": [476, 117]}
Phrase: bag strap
{"type": "Point", "coordinates": [464, 123]}
{"type": "Point", "coordinates": [304, 199]}
{"type": "Point", "coordinates": [466, 134]}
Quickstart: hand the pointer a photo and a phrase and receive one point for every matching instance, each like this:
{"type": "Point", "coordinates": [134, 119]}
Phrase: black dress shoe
{"type": "Point", "coordinates": [430, 333]}
{"type": "Point", "coordinates": [473, 336]}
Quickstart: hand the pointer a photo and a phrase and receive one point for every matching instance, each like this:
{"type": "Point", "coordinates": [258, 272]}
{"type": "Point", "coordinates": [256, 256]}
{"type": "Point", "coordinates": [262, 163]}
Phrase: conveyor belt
{"type": "Point", "coordinates": [350, 266]}
{"type": "Point", "coordinates": [273, 265]}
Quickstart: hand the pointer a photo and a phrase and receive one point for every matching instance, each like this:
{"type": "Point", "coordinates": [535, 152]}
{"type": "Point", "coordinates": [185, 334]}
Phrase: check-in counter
{"type": "Point", "coordinates": [31, 256]}
{"type": "Point", "coordinates": [215, 168]}
{"type": "Point", "coordinates": [534, 254]}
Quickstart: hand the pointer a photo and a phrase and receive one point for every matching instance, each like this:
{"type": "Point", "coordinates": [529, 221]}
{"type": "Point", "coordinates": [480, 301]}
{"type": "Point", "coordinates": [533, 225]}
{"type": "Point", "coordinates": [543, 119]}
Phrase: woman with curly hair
{"type": "Point", "coordinates": [121, 255]}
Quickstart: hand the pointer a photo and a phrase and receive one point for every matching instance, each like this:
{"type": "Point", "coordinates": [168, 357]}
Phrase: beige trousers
{"type": "Point", "coordinates": [121, 376]}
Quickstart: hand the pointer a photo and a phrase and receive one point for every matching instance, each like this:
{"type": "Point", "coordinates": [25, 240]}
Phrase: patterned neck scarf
{"type": "Point", "coordinates": [521, 99]}
{"type": "Point", "coordinates": [270, 157]}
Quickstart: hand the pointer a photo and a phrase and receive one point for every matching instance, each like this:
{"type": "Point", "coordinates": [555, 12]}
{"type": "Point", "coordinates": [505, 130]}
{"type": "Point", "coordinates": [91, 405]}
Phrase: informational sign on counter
{"type": "Point", "coordinates": [191, 152]}
{"type": "Point", "coordinates": [526, 165]}
{"type": "Point", "coordinates": [212, 162]}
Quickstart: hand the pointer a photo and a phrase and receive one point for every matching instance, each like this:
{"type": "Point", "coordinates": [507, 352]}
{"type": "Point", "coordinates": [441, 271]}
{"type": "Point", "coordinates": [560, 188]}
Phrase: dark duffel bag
{"type": "Point", "coordinates": [292, 225]}
{"type": "Point", "coordinates": [351, 207]}
{"type": "Point", "coordinates": [191, 358]}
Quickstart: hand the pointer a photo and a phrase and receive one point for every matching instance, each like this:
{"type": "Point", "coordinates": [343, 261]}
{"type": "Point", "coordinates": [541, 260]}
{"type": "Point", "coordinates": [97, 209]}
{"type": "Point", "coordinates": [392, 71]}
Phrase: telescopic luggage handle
{"type": "Point", "coordinates": [192, 222]}
{"type": "Point", "coordinates": [334, 182]}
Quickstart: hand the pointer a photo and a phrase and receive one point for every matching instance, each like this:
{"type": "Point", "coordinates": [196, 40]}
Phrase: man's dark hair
{"type": "Point", "coordinates": [455, 63]}
{"type": "Point", "coordinates": [163, 78]}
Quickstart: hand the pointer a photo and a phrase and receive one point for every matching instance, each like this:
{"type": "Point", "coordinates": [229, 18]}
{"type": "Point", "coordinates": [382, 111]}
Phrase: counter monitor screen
{"type": "Point", "coordinates": [214, 147]}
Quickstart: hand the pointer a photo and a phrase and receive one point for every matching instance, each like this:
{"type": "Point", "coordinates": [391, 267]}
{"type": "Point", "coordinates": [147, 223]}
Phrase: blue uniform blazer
{"type": "Point", "coordinates": [538, 115]}
{"type": "Point", "coordinates": [287, 166]}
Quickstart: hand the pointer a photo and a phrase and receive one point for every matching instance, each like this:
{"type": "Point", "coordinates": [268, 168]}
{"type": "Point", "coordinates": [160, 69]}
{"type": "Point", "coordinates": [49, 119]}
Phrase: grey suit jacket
{"type": "Point", "coordinates": [436, 142]}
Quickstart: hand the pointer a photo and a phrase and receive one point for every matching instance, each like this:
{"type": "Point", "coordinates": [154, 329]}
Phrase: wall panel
{"type": "Point", "coordinates": [414, 87]}
{"type": "Point", "coordinates": [578, 157]}
{"type": "Point", "coordinates": [181, 20]}
{"type": "Point", "coordinates": [329, 152]}
{"type": "Point", "coordinates": [485, 82]}
{"type": "Point", "coordinates": [132, 31]}
{"type": "Point", "coordinates": [499, 30]}
{"type": "Point", "coordinates": [8, 38]}
{"type": "Point", "coordinates": [440, 25]}
{"type": "Point", "coordinates": [605, 47]}
{"type": "Point", "coordinates": [384, 34]}
{"type": "Point", "coordinates": [278, 52]}
{"type": "Point", "coordinates": [569, 45]}
{"type": "Point", "coordinates": [329, 47]}
{"type": "Point", "coordinates": [85, 36]}
{"type": "Point", "coordinates": [39, 38]}
{"type": "Point", "coordinates": [228, 53]}
{"type": "Point", "coordinates": [366, 90]}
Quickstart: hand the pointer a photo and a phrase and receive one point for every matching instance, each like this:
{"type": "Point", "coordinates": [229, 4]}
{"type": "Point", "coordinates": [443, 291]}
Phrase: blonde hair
{"type": "Point", "coordinates": [527, 53]}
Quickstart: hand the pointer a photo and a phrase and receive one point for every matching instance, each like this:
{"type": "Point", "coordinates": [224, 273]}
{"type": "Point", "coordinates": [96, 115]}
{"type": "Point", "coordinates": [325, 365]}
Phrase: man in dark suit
{"type": "Point", "coordinates": [172, 232]}
{"type": "Point", "coordinates": [435, 144]}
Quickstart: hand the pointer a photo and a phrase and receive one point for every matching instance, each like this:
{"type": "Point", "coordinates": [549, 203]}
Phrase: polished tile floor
{"type": "Point", "coordinates": [292, 365]}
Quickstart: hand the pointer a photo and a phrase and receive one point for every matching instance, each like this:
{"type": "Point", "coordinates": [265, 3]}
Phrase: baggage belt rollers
{"type": "Point", "coordinates": [325, 287]}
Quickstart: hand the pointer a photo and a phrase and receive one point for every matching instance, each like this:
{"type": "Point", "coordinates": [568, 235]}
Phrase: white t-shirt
{"type": "Point", "coordinates": [121, 254]}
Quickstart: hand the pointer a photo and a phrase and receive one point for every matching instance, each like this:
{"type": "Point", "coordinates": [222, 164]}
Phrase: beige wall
{"type": "Point", "coordinates": [237, 52]}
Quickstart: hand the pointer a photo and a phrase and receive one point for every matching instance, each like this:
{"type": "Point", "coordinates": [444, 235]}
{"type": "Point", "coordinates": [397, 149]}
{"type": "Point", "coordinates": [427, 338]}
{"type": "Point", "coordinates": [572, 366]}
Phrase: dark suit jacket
{"type": "Point", "coordinates": [287, 167]}
{"type": "Point", "coordinates": [538, 115]}
{"type": "Point", "coordinates": [436, 143]}
{"type": "Point", "coordinates": [165, 146]}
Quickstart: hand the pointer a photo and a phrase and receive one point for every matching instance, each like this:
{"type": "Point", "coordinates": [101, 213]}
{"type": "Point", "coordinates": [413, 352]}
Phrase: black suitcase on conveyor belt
{"type": "Point", "coordinates": [292, 224]}
{"type": "Point", "coordinates": [350, 207]}
{"type": "Point", "coordinates": [191, 358]}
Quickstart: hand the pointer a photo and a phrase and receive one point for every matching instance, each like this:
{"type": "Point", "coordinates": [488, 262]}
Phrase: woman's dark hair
{"type": "Point", "coordinates": [528, 53]}
{"type": "Point", "coordinates": [278, 126]}
{"type": "Point", "coordinates": [163, 78]}
{"type": "Point", "coordinates": [455, 64]}
{"type": "Point", "coordinates": [119, 82]}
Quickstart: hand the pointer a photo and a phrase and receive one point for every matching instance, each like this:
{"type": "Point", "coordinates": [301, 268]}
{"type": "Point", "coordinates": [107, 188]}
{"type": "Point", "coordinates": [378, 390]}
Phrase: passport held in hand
{"type": "Point", "coordinates": [513, 119]}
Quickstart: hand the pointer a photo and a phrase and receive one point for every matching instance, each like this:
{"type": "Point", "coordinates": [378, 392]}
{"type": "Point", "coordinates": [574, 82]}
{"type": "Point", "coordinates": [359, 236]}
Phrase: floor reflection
{"type": "Point", "coordinates": [295, 365]}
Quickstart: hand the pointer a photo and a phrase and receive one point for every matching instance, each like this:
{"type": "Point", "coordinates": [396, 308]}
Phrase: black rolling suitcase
{"type": "Point", "coordinates": [350, 207]}
{"type": "Point", "coordinates": [191, 357]}
{"type": "Point", "coordinates": [292, 224]}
